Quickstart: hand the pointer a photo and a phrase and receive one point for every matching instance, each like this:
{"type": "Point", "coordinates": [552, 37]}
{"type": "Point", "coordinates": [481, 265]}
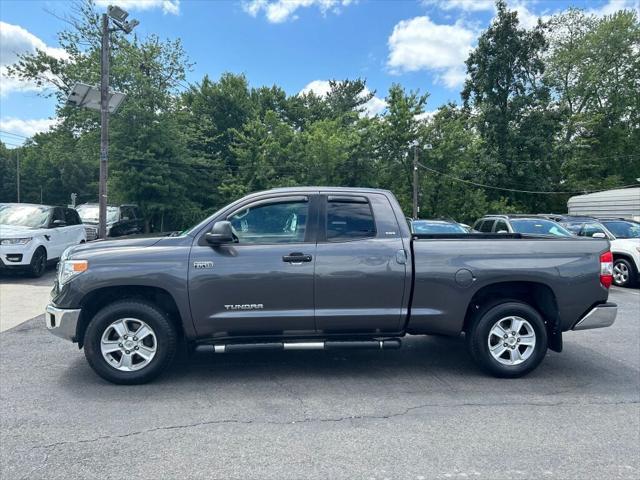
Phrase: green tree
{"type": "Point", "coordinates": [506, 95]}
{"type": "Point", "coordinates": [593, 68]}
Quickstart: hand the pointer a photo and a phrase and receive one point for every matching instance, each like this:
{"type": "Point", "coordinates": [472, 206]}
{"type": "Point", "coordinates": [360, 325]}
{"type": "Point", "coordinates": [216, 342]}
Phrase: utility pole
{"type": "Point", "coordinates": [18, 173]}
{"type": "Point", "coordinates": [104, 128]}
{"type": "Point", "coordinates": [415, 180]}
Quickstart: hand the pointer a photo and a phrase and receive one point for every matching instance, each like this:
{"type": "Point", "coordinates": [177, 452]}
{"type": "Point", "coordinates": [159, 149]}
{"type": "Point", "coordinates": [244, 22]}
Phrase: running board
{"type": "Point", "coordinates": [388, 344]}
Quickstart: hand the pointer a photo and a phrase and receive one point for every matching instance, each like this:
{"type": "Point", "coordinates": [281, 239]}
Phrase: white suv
{"type": "Point", "coordinates": [624, 236]}
{"type": "Point", "coordinates": [33, 235]}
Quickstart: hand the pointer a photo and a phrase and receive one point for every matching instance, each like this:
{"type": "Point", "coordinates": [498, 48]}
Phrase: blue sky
{"type": "Point", "coordinates": [421, 44]}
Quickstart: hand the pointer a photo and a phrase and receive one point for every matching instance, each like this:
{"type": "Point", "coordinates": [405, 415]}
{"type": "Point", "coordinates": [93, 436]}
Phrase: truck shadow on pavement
{"type": "Point", "coordinates": [424, 366]}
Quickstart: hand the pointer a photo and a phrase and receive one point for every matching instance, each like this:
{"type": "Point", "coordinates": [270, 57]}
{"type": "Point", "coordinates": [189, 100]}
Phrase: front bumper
{"type": "Point", "coordinates": [598, 317]}
{"type": "Point", "coordinates": [62, 322]}
{"type": "Point", "coordinates": [17, 255]}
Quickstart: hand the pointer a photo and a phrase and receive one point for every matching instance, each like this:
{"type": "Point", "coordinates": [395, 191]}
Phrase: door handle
{"type": "Point", "coordinates": [296, 257]}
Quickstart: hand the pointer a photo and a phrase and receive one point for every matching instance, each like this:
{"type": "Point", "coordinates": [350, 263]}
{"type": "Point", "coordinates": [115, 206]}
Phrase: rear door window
{"type": "Point", "coordinates": [487, 226]}
{"type": "Point", "coordinates": [590, 229]}
{"type": "Point", "coordinates": [349, 219]}
{"type": "Point", "coordinates": [501, 226]}
{"type": "Point", "coordinates": [71, 217]}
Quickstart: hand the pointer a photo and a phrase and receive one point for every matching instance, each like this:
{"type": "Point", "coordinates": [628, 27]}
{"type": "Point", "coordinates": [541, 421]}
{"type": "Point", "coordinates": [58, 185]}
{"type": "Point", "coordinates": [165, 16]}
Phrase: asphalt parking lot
{"type": "Point", "coordinates": [424, 411]}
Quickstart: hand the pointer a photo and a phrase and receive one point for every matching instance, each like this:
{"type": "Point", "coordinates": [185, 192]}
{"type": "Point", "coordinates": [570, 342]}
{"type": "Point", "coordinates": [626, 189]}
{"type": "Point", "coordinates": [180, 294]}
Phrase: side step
{"type": "Point", "coordinates": [388, 344]}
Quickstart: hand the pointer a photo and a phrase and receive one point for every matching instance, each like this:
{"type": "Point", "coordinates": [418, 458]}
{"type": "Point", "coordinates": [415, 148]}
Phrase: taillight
{"type": "Point", "coordinates": [606, 269]}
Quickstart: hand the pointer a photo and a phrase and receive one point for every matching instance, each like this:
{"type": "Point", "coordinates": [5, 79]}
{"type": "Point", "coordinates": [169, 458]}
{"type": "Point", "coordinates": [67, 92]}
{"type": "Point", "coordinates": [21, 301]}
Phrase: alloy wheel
{"type": "Point", "coordinates": [128, 344]}
{"type": "Point", "coordinates": [511, 340]}
{"type": "Point", "coordinates": [620, 273]}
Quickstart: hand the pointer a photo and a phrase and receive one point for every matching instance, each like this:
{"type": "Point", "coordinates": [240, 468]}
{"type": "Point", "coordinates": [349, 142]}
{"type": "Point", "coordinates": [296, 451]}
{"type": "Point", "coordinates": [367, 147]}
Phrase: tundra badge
{"type": "Point", "coordinates": [202, 265]}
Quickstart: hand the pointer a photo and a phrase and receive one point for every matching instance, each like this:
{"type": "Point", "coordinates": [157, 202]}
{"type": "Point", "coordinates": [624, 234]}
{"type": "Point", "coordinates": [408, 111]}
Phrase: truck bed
{"type": "Point", "coordinates": [450, 270]}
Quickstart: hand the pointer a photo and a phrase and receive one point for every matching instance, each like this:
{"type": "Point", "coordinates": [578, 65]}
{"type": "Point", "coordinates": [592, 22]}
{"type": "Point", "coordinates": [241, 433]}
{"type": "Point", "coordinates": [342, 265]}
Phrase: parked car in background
{"type": "Point", "coordinates": [531, 224]}
{"type": "Point", "coordinates": [436, 226]}
{"type": "Point", "coordinates": [33, 235]}
{"type": "Point", "coordinates": [122, 220]}
{"type": "Point", "coordinates": [624, 236]}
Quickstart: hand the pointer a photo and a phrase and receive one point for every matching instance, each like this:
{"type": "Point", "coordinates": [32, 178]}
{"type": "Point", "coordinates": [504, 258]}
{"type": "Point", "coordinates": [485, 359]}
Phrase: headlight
{"type": "Point", "coordinates": [15, 241]}
{"type": "Point", "coordinates": [68, 269]}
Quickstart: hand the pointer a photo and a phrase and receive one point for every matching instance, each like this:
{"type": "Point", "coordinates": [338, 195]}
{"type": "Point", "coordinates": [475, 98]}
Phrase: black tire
{"type": "Point", "coordinates": [478, 338]}
{"type": "Point", "coordinates": [163, 328]}
{"type": "Point", "coordinates": [38, 263]}
{"type": "Point", "coordinates": [621, 267]}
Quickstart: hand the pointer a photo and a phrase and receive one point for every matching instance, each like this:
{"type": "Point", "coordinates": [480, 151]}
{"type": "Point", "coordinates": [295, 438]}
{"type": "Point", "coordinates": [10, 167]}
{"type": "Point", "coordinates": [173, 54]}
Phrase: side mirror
{"type": "Point", "coordinates": [58, 223]}
{"type": "Point", "coordinates": [220, 233]}
{"type": "Point", "coordinates": [598, 235]}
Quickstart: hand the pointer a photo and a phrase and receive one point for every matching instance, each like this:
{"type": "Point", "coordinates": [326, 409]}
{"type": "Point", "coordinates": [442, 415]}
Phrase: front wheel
{"type": "Point", "coordinates": [130, 342]}
{"type": "Point", "coordinates": [508, 340]}
{"type": "Point", "coordinates": [38, 263]}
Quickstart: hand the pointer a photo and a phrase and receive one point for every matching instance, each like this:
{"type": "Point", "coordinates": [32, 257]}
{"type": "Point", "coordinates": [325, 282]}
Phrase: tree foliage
{"type": "Point", "coordinates": [554, 108]}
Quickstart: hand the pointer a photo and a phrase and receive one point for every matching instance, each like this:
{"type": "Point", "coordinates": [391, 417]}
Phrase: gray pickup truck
{"type": "Point", "coordinates": [324, 268]}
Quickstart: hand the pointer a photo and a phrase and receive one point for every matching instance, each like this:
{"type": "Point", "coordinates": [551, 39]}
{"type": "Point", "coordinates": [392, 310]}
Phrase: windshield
{"type": "Point", "coordinates": [31, 216]}
{"type": "Point", "coordinates": [89, 213]}
{"type": "Point", "coordinates": [436, 227]}
{"type": "Point", "coordinates": [539, 227]}
{"type": "Point", "coordinates": [623, 229]}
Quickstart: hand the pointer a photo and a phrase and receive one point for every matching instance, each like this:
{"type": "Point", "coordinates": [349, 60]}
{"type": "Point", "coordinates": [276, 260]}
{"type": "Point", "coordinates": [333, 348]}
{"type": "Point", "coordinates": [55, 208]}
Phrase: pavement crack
{"type": "Point", "coordinates": [339, 419]}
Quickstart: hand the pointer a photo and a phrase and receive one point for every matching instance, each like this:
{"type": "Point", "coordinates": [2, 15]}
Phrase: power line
{"type": "Point", "coordinates": [12, 144]}
{"type": "Point", "coordinates": [515, 189]}
{"type": "Point", "coordinates": [14, 134]}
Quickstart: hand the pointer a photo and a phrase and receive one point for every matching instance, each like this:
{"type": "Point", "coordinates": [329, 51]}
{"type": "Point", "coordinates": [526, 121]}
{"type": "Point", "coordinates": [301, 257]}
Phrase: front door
{"type": "Point", "coordinates": [361, 266]}
{"type": "Point", "coordinates": [263, 284]}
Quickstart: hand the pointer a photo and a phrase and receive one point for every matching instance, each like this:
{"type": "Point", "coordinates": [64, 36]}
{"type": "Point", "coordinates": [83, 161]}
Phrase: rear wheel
{"type": "Point", "coordinates": [130, 342]}
{"type": "Point", "coordinates": [508, 339]}
{"type": "Point", "coordinates": [624, 275]}
{"type": "Point", "coordinates": [38, 263]}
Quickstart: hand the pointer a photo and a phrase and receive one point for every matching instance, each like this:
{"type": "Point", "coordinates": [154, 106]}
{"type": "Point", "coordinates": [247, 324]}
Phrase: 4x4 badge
{"type": "Point", "coordinates": [202, 264]}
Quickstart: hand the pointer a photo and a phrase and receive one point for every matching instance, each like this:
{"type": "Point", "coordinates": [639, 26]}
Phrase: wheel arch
{"type": "Point", "coordinates": [624, 256]}
{"type": "Point", "coordinates": [539, 295]}
{"type": "Point", "coordinates": [97, 299]}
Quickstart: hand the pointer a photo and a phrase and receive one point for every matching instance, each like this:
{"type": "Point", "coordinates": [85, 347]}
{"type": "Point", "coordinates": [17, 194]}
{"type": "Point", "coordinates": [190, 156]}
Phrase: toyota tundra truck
{"type": "Point", "coordinates": [325, 268]}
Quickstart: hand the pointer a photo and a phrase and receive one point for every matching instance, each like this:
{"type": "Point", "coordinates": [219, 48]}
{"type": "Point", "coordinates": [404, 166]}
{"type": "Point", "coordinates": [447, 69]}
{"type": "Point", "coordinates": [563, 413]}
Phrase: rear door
{"type": "Point", "coordinates": [262, 285]}
{"type": "Point", "coordinates": [360, 265]}
{"type": "Point", "coordinates": [74, 228]}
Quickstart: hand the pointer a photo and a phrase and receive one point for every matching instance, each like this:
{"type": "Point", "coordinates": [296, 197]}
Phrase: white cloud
{"type": "Point", "coordinates": [375, 106]}
{"type": "Point", "coordinates": [466, 5]}
{"type": "Point", "coordinates": [278, 11]}
{"type": "Point", "coordinates": [526, 17]}
{"type": "Point", "coordinates": [420, 44]}
{"type": "Point", "coordinates": [426, 116]}
{"type": "Point", "coordinates": [167, 6]}
{"type": "Point", "coordinates": [319, 87]}
{"type": "Point", "coordinates": [529, 18]}
{"type": "Point", "coordinates": [26, 128]}
{"type": "Point", "coordinates": [15, 40]}
{"type": "Point", "coordinates": [612, 6]}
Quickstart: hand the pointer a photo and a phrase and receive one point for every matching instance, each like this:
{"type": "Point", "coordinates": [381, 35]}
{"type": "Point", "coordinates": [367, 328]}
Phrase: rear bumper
{"type": "Point", "coordinates": [598, 317]}
{"type": "Point", "coordinates": [62, 322]}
